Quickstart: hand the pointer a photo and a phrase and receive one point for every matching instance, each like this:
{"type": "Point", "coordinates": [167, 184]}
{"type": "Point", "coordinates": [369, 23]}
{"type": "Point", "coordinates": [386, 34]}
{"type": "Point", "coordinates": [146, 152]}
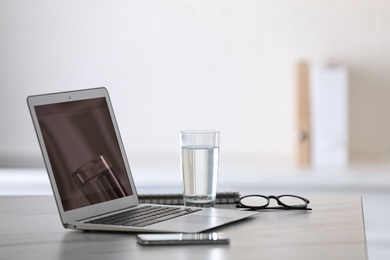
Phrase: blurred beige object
{"type": "Point", "coordinates": [303, 115]}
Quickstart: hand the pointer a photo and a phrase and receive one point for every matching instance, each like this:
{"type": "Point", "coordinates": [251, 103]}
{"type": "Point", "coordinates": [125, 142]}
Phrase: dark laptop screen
{"type": "Point", "coordinates": [84, 152]}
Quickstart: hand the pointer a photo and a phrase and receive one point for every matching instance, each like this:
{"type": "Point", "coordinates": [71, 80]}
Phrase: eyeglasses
{"type": "Point", "coordinates": [255, 202]}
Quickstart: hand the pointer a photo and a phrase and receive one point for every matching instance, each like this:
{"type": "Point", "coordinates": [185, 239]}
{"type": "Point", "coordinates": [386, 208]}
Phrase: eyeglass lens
{"type": "Point", "coordinates": [254, 201]}
{"type": "Point", "coordinates": [292, 201]}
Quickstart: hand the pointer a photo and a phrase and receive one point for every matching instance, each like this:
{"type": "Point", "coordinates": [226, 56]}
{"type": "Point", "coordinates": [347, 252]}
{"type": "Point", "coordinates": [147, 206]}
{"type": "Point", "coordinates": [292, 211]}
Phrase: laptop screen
{"type": "Point", "coordinates": [84, 152]}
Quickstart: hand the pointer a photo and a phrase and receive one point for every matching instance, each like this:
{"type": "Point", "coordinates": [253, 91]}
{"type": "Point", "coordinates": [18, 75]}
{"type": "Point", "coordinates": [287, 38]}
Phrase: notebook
{"type": "Point", "coordinates": [89, 172]}
{"type": "Point", "coordinates": [175, 197]}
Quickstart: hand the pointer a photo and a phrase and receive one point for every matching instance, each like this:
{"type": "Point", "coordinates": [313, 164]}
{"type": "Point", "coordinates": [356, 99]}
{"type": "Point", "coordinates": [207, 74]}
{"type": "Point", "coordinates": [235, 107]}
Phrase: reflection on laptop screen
{"type": "Point", "coordinates": [84, 153]}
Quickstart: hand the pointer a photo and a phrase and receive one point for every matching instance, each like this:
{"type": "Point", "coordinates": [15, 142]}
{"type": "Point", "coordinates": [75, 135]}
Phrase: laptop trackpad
{"type": "Point", "coordinates": [203, 220]}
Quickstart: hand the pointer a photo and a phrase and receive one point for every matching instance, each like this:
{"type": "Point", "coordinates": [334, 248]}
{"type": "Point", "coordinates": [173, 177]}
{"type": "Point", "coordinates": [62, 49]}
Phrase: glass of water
{"type": "Point", "coordinates": [199, 166]}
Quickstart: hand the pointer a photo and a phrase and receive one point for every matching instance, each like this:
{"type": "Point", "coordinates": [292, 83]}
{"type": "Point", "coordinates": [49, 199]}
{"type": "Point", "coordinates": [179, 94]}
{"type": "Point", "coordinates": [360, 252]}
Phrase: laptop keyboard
{"type": "Point", "coordinates": [143, 216]}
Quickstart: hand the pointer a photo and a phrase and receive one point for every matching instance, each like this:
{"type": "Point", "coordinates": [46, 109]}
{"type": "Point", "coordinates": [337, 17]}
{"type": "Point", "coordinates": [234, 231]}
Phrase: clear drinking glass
{"type": "Point", "coordinates": [199, 166]}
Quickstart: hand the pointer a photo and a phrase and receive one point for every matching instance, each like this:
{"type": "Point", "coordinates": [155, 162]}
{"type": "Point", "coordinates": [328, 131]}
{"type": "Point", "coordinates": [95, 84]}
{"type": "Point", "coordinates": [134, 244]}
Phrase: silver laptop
{"type": "Point", "coordinates": [90, 175]}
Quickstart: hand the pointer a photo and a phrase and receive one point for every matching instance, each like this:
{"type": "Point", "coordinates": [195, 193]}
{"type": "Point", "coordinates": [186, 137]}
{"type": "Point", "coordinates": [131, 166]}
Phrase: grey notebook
{"type": "Point", "coordinates": [90, 175]}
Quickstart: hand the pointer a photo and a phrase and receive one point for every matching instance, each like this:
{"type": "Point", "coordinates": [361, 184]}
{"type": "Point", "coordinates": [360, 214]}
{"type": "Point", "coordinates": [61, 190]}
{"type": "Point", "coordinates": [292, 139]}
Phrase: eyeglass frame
{"type": "Point", "coordinates": [277, 198]}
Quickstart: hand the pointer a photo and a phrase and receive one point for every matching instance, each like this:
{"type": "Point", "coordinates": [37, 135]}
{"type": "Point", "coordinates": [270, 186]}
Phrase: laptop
{"type": "Point", "coordinates": [90, 176]}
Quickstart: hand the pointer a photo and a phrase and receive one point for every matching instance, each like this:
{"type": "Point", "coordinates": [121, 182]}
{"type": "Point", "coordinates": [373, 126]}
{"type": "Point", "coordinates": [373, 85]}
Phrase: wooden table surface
{"type": "Point", "coordinates": [30, 229]}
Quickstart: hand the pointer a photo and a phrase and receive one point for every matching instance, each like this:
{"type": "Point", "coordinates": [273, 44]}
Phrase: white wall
{"type": "Point", "coordinates": [181, 64]}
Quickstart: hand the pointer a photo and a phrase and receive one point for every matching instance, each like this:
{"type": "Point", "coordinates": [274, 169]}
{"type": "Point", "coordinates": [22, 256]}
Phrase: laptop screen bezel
{"type": "Point", "coordinates": [96, 209]}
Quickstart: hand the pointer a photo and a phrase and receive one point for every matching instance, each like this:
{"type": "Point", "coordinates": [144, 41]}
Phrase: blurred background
{"type": "Point", "coordinates": [219, 64]}
{"type": "Point", "coordinates": [176, 65]}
